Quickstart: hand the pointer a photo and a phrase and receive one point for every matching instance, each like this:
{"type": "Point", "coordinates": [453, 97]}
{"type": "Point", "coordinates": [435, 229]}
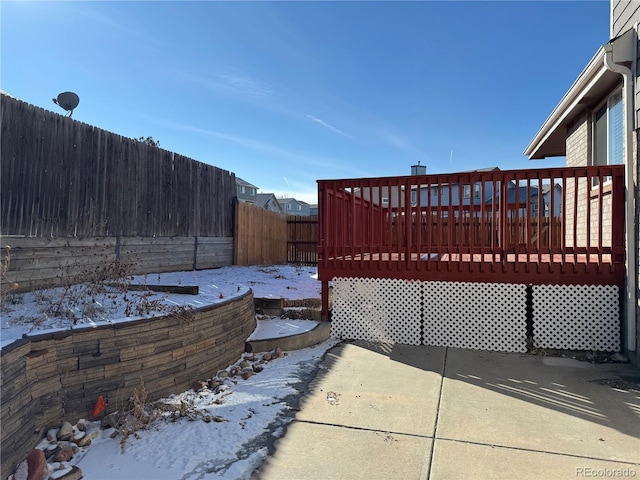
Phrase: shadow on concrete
{"type": "Point", "coordinates": [607, 394]}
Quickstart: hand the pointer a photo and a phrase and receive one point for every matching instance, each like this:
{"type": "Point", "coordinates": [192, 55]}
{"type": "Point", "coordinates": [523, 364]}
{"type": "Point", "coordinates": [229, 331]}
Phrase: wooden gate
{"type": "Point", "coordinates": [302, 240]}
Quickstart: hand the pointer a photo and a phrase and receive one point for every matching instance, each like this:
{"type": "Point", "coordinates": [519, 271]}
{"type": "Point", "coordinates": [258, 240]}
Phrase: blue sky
{"type": "Point", "coordinates": [286, 93]}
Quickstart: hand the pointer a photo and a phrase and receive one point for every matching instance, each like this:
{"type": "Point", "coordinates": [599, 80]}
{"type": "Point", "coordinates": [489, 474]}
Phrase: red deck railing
{"type": "Point", "coordinates": [561, 226]}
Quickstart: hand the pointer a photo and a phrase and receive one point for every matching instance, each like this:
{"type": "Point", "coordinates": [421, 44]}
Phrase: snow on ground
{"type": "Point", "coordinates": [86, 305]}
{"type": "Point", "coordinates": [279, 327]}
{"type": "Point", "coordinates": [253, 412]}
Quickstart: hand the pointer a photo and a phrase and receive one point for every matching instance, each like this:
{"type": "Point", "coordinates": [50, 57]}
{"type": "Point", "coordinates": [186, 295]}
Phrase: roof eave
{"type": "Point", "coordinates": [551, 137]}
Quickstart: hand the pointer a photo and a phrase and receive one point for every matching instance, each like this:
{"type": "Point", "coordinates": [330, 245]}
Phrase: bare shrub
{"type": "Point", "coordinates": [96, 291]}
{"type": "Point", "coordinates": [6, 286]}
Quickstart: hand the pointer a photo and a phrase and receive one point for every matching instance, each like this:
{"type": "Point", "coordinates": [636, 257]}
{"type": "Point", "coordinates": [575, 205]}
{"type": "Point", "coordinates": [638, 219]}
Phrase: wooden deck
{"type": "Point", "coordinates": [551, 226]}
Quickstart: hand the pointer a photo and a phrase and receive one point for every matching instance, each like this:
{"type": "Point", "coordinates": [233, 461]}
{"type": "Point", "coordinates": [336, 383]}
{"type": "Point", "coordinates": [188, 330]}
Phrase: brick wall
{"type": "Point", "coordinates": [579, 142]}
{"type": "Point", "coordinates": [578, 154]}
{"type": "Point", "coordinates": [58, 376]}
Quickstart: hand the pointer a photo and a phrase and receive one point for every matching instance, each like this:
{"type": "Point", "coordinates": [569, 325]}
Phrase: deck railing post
{"type": "Point", "coordinates": [324, 293]}
{"type": "Point", "coordinates": [617, 218]}
{"type": "Point", "coordinates": [503, 206]}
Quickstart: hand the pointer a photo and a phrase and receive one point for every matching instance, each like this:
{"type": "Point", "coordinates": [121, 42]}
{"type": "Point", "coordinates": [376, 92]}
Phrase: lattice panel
{"type": "Point", "coordinates": [576, 317]}
{"type": "Point", "coordinates": [377, 310]}
{"type": "Point", "coordinates": [479, 316]}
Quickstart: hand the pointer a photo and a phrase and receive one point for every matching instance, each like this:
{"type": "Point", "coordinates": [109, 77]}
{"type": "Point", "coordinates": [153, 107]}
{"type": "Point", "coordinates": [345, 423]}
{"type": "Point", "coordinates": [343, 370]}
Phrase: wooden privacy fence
{"type": "Point", "coordinates": [63, 178]}
{"type": "Point", "coordinates": [260, 236]}
{"type": "Point", "coordinates": [302, 240]}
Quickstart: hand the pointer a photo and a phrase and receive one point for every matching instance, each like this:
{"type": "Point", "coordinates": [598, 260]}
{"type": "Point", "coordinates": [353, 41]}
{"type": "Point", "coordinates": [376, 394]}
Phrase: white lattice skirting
{"type": "Point", "coordinates": [453, 314]}
{"type": "Point", "coordinates": [479, 316]}
{"type": "Point", "coordinates": [576, 317]}
{"type": "Point", "coordinates": [377, 310]}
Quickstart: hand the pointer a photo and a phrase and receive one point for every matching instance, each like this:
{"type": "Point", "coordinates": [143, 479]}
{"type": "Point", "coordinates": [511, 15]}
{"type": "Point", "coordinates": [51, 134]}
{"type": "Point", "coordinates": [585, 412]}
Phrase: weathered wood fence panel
{"type": "Point", "coordinates": [260, 236]}
{"type": "Point", "coordinates": [45, 262]}
{"type": "Point", "coordinates": [64, 178]}
{"type": "Point", "coordinates": [153, 255]}
{"type": "Point", "coordinates": [302, 239]}
{"type": "Point", "coordinates": [213, 252]}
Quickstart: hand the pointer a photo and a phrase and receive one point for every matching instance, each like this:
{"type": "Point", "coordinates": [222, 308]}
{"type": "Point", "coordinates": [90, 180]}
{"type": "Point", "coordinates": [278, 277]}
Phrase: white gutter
{"type": "Point", "coordinates": [625, 50]}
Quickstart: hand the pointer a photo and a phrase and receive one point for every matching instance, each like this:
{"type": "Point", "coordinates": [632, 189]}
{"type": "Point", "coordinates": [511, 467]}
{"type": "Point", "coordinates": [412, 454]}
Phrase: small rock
{"type": "Point", "coordinates": [199, 385]}
{"type": "Point", "coordinates": [81, 425]}
{"type": "Point", "coordinates": [213, 384]}
{"type": "Point", "coordinates": [277, 353]}
{"type": "Point", "coordinates": [66, 431]}
{"type": "Point", "coordinates": [50, 450]}
{"type": "Point", "coordinates": [222, 374]}
{"type": "Point", "coordinates": [246, 373]}
{"type": "Point", "coordinates": [114, 433]}
{"type": "Point", "coordinates": [244, 364]}
{"type": "Point", "coordinates": [52, 435]}
{"type": "Point", "coordinates": [22, 470]}
{"type": "Point", "coordinates": [234, 371]}
{"type": "Point", "coordinates": [83, 441]}
{"type": "Point", "coordinates": [59, 471]}
{"type": "Point", "coordinates": [63, 454]}
{"type": "Point", "coordinates": [266, 357]}
{"type": "Point", "coordinates": [258, 368]}
{"type": "Point", "coordinates": [73, 473]}
{"type": "Point", "coordinates": [221, 388]}
{"type": "Point", "coordinates": [109, 421]}
{"type": "Point", "coordinates": [36, 465]}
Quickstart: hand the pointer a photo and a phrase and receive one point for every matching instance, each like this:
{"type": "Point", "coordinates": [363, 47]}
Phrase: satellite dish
{"type": "Point", "coordinates": [68, 101]}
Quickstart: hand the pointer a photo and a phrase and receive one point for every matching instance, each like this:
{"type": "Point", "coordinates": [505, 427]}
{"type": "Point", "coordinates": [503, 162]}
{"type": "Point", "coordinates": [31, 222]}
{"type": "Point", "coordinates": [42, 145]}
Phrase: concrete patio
{"type": "Point", "coordinates": [379, 411]}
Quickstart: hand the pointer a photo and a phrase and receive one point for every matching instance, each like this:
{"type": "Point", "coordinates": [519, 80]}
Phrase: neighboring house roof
{"type": "Point", "coordinates": [297, 205]}
{"type": "Point", "coordinates": [244, 183]}
{"type": "Point", "coordinates": [266, 199]}
{"type": "Point", "coordinates": [479, 170]}
{"type": "Point", "coordinates": [591, 86]}
{"type": "Point", "coordinates": [263, 198]}
{"type": "Point", "coordinates": [546, 188]}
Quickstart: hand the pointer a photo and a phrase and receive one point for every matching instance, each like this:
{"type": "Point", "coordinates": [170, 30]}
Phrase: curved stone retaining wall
{"type": "Point", "coordinates": [58, 376]}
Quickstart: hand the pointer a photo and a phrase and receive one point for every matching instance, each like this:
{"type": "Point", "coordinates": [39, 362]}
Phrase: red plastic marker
{"type": "Point", "coordinates": [100, 406]}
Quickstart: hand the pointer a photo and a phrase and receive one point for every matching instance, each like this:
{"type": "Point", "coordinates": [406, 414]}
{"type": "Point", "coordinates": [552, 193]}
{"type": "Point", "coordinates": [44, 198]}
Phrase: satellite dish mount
{"type": "Point", "coordinates": [68, 101]}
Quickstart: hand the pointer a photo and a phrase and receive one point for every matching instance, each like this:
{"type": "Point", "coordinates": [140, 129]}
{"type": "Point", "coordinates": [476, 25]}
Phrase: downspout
{"type": "Point", "coordinates": [630, 231]}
